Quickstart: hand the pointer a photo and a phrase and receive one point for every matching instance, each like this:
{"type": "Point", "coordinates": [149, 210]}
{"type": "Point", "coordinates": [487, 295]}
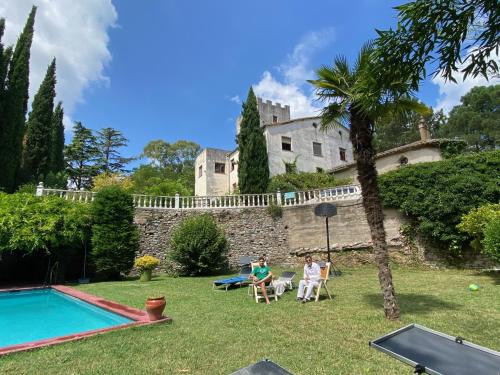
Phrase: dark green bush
{"type": "Point", "coordinates": [437, 194]}
{"type": "Point", "coordinates": [304, 181]}
{"type": "Point", "coordinates": [199, 246]}
{"type": "Point", "coordinates": [115, 239]}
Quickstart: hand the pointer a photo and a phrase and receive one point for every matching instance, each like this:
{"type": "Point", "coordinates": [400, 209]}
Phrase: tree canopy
{"type": "Point", "coordinates": [108, 141]}
{"type": "Point", "coordinates": [81, 155]}
{"type": "Point", "coordinates": [452, 36]}
{"type": "Point", "coordinates": [477, 119]}
{"type": "Point", "coordinates": [392, 131]}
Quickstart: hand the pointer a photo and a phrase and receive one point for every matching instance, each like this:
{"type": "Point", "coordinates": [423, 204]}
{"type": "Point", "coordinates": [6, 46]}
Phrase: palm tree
{"type": "Point", "coordinates": [354, 96]}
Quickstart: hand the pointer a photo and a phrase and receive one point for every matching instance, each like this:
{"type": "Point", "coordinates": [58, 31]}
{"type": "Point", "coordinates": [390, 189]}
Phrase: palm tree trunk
{"type": "Point", "coordinates": [361, 137]}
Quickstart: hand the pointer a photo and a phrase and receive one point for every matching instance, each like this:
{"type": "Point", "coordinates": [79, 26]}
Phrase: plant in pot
{"type": "Point", "coordinates": [146, 264]}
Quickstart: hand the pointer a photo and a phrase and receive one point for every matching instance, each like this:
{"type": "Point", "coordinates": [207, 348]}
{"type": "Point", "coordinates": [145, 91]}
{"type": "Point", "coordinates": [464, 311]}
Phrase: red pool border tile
{"type": "Point", "coordinates": [139, 318]}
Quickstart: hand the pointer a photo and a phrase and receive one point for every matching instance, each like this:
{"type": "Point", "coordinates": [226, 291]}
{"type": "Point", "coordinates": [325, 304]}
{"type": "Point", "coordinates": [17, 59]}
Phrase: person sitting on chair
{"type": "Point", "coordinates": [261, 276]}
{"type": "Point", "coordinates": [311, 279]}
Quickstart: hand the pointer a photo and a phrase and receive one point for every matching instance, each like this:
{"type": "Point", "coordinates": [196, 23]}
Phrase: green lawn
{"type": "Point", "coordinates": [219, 332]}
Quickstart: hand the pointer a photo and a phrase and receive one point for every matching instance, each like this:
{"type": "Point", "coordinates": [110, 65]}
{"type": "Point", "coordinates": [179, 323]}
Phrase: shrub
{"type": "Point", "coordinates": [275, 211]}
{"type": "Point", "coordinates": [36, 230]}
{"type": "Point", "coordinates": [491, 240]}
{"type": "Point", "coordinates": [199, 246]}
{"type": "Point", "coordinates": [30, 224]}
{"type": "Point", "coordinates": [483, 224]}
{"type": "Point", "coordinates": [304, 181]}
{"type": "Point", "coordinates": [115, 239]}
{"type": "Point", "coordinates": [438, 194]}
{"type": "Point", "coordinates": [112, 179]}
{"type": "Point", "coordinates": [146, 263]}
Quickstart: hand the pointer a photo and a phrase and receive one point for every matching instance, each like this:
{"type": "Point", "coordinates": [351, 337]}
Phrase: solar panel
{"type": "Point", "coordinates": [264, 367]}
{"type": "Point", "coordinates": [436, 353]}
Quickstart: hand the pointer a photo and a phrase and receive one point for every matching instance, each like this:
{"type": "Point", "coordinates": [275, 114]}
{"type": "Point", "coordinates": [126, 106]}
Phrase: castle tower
{"type": "Point", "coordinates": [269, 113]}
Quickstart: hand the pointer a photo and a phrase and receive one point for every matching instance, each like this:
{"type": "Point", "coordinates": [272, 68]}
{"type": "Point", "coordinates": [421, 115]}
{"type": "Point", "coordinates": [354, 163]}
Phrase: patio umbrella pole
{"type": "Point", "coordinates": [328, 241]}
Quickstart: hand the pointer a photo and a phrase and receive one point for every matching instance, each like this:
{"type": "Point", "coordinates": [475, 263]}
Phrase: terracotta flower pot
{"type": "Point", "coordinates": [155, 307]}
{"type": "Point", "coordinates": [146, 275]}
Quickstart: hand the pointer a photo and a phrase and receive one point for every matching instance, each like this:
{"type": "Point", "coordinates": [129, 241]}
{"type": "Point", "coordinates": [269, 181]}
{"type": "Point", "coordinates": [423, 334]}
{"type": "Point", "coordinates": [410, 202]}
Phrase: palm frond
{"type": "Point", "coordinates": [334, 115]}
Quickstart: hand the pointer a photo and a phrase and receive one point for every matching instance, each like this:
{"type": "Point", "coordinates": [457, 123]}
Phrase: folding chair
{"type": "Point", "coordinates": [269, 290]}
{"type": "Point", "coordinates": [257, 292]}
{"type": "Point", "coordinates": [323, 280]}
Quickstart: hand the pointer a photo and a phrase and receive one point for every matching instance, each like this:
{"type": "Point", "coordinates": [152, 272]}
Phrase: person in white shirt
{"type": "Point", "coordinates": [311, 279]}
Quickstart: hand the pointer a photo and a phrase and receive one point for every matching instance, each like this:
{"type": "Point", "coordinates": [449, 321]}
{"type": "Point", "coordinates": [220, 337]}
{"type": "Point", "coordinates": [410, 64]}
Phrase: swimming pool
{"type": "Point", "coordinates": [44, 316]}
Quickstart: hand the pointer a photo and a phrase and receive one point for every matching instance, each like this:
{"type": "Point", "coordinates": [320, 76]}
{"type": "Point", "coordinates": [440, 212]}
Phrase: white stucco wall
{"type": "Point", "coordinates": [233, 174]}
{"type": "Point", "coordinates": [200, 183]}
{"type": "Point", "coordinates": [211, 183]}
{"type": "Point", "coordinates": [386, 163]}
{"type": "Point", "coordinates": [303, 134]}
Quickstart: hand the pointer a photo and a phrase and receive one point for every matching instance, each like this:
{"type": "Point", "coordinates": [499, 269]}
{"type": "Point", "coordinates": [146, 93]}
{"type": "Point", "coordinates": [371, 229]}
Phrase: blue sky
{"type": "Point", "coordinates": [162, 69]}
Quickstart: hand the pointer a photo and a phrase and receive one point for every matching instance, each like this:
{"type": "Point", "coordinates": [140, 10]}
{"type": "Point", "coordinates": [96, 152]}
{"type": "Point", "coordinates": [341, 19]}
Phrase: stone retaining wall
{"type": "Point", "coordinates": [248, 231]}
{"type": "Point", "coordinates": [285, 240]}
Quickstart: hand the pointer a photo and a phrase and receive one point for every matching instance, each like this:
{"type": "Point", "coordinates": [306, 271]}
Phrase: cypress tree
{"type": "Point", "coordinates": [3, 73]}
{"type": "Point", "coordinates": [253, 169]}
{"type": "Point", "coordinates": [37, 140]}
{"type": "Point", "coordinates": [57, 140]}
{"type": "Point", "coordinates": [5, 56]}
{"type": "Point", "coordinates": [16, 106]}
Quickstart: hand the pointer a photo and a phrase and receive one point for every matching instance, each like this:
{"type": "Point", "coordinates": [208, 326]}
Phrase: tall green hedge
{"type": "Point", "coordinates": [437, 194]}
{"type": "Point", "coordinates": [115, 239]}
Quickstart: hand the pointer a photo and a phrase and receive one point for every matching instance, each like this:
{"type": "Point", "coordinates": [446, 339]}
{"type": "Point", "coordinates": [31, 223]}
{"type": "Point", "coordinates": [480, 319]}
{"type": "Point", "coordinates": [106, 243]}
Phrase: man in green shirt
{"type": "Point", "coordinates": [261, 276]}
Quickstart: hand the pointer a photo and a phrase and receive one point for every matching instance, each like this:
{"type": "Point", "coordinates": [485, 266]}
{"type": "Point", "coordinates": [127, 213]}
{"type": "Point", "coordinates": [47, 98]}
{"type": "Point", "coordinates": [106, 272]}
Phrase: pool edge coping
{"type": "Point", "coordinates": [139, 317]}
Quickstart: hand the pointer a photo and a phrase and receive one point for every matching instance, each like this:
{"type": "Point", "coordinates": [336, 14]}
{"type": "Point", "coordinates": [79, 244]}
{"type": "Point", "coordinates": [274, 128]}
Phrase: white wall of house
{"type": "Point", "coordinates": [413, 153]}
{"type": "Point", "coordinates": [303, 133]}
{"type": "Point", "coordinates": [214, 178]}
{"type": "Point", "coordinates": [422, 155]}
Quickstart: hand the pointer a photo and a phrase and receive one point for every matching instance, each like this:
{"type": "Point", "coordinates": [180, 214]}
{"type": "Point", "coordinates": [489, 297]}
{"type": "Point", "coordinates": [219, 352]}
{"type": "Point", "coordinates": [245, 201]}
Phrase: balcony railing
{"type": "Point", "coordinates": [178, 202]}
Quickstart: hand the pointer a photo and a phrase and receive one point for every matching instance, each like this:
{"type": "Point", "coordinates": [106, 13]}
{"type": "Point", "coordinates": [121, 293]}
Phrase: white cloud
{"type": "Point", "coordinates": [297, 68]}
{"type": "Point", "coordinates": [271, 89]}
{"type": "Point", "coordinates": [450, 92]}
{"type": "Point", "coordinates": [293, 89]}
{"type": "Point", "coordinates": [236, 99]}
{"type": "Point", "coordinates": [75, 33]}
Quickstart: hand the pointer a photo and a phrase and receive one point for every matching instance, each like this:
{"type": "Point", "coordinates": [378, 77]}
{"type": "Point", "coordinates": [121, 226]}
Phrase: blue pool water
{"type": "Point", "coordinates": [46, 313]}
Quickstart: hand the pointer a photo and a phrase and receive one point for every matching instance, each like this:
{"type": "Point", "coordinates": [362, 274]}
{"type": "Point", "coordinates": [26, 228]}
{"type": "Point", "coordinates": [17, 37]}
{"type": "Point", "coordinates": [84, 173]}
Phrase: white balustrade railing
{"type": "Point", "coordinates": [222, 201]}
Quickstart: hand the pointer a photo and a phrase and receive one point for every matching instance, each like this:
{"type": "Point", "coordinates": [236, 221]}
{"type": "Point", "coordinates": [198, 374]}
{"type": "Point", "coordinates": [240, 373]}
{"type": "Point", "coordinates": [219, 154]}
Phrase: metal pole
{"type": "Point", "coordinates": [328, 240]}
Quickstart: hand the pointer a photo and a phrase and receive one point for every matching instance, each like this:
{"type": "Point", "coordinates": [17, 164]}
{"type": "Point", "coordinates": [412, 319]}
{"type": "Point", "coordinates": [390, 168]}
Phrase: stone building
{"type": "Point", "coordinates": [289, 141]}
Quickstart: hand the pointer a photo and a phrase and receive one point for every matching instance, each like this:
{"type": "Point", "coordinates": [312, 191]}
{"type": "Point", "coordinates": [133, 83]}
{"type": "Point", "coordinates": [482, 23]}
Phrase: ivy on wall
{"type": "Point", "coordinates": [437, 194]}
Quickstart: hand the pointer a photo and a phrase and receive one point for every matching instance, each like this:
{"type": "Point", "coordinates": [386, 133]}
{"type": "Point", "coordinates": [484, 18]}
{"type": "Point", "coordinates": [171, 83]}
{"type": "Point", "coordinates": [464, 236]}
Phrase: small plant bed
{"type": "Point", "coordinates": [212, 332]}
